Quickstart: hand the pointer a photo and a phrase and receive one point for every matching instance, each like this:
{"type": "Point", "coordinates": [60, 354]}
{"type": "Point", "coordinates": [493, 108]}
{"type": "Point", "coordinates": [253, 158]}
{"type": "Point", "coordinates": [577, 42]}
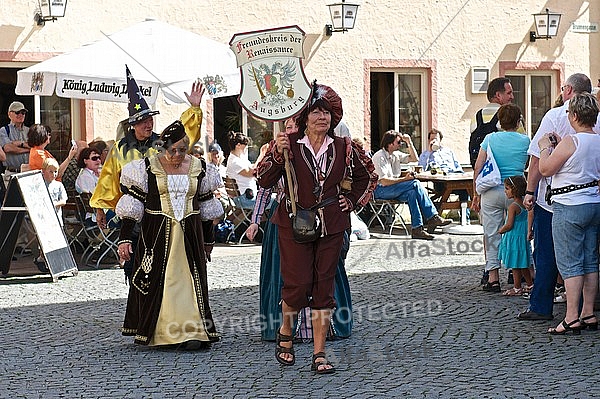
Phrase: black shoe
{"type": "Point", "coordinates": [485, 277]}
{"type": "Point", "coordinates": [511, 279]}
{"type": "Point", "coordinates": [41, 265]}
{"type": "Point", "coordinates": [530, 315]}
{"type": "Point", "coordinates": [493, 286]}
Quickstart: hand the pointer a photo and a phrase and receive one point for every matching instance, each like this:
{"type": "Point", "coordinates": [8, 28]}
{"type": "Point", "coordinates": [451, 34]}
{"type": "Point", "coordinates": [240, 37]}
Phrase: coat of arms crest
{"type": "Point", "coordinates": [274, 86]}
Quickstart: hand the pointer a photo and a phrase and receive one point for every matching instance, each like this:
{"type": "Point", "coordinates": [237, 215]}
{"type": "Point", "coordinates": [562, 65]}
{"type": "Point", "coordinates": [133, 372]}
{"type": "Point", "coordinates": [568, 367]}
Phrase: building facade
{"type": "Point", "coordinates": [408, 66]}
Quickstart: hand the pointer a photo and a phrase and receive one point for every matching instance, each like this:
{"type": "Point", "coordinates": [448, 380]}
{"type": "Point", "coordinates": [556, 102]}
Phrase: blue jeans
{"type": "Point", "coordinates": [542, 296]}
{"type": "Point", "coordinates": [413, 193]}
{"type": "Point", "coordinates": [575, 232]}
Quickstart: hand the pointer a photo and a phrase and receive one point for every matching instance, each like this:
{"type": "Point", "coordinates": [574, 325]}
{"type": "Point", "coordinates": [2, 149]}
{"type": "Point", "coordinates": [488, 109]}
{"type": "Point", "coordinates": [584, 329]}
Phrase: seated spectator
{"type": "Point", "coordinates": [101, 148]}
{"type": "Point", "coordinates": [89, 163]}
{"type": "Point", "coordinates": [437, 156]}
{"type": "Point", "coordinates": [392, 185]}
{"type": "Point", "coordinates": [73, 169]}
{"type": "Point", "coordinates": [241, 169]}
{"type": "Point", "coordinates": [37, 140]}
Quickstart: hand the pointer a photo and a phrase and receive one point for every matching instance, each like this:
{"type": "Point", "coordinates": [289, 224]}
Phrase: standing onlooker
{"type": "Point", "coordinates": [574, 165]}
{"type": "Point", "coordinates": [515, 249]}
{"type": "Point", "coordinates": [556, 121]}
{"type": "Point", "coordinates": [392, 185]}
{"type": "Point", "coordinates": [499, 92]}
{"type": "Point", "coordinates": [37, 140]}
{"type": "Point", "coordinates": [510, 152]}
{"type": "Point", "coordinates": [13, 139]}
{"type": "Point", "coordinates": [58, 194]}
{"type": "Point", "coordinates": [56, 188]}
{"type": "Point", "coordinates": [72, 170]}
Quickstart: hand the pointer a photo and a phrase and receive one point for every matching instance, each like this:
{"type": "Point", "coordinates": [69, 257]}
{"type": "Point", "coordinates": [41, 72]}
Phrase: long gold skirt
{"type": "Point", "coordinates": [179, 319]}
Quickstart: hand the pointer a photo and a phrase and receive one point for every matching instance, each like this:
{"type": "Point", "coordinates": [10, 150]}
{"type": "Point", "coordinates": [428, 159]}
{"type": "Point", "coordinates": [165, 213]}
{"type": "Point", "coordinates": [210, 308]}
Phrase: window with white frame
{"type": "Point", "coordinates": [398, 101]}
{"type": "Point", "coordinates": [535, 92]}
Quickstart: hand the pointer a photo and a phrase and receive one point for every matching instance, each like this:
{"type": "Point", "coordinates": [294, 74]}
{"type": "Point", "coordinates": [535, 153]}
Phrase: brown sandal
{"type": "Point", "coordinates": [279, 350]}
{"type": "Point", "coordinates": [323, 362]}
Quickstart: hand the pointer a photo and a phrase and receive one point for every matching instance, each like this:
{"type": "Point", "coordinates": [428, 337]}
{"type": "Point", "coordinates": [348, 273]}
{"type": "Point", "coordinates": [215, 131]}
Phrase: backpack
{"type": "Point", "coordinates": [477, 136]}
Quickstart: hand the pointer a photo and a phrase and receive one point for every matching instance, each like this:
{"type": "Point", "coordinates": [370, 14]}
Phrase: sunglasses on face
{"type": "Point", "coordinates": [95, 158]}
{"type": "Point", "coordinates": [21, 112]}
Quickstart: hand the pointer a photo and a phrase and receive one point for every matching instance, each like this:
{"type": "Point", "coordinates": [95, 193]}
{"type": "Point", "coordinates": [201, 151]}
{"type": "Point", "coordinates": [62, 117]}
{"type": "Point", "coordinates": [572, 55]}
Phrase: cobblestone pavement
{"type": "Point", "coordinates": [423, 329]}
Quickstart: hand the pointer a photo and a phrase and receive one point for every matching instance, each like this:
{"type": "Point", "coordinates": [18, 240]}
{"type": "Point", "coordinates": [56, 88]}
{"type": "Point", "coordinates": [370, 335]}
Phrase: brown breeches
{"type": "Point", "coordinates": [308, 270]}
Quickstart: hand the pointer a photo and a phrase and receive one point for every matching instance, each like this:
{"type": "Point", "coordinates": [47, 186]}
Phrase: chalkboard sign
{"type": "Point", "coordinates": [27, 193]}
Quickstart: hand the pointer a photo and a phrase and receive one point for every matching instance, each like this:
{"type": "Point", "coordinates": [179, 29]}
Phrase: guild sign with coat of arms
{"type": "Point", "coordinates": [274, 86]}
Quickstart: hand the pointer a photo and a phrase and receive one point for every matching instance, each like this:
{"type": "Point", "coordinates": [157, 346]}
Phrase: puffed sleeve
{"type": "Point", "coordinates": [271, 168]}
{"type": "Point", "coordinates": [134, 185]}
{"type": "Point", "coordinates": [364, 177]}
{"type": "Point", "coordinates": [192, 121]}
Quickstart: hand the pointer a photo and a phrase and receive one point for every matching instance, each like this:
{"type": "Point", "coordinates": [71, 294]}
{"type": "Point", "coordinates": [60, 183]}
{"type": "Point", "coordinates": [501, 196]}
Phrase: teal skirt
{"type": "Point", "coordinates": [271, 284]}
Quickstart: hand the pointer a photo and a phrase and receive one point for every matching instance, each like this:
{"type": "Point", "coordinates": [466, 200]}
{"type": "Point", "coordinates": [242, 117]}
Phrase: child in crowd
{"type": "Point", "coordinates": [515, 249]}
{"type": "Point", "coordinates": [58, 194]}
{"type": "Point", "coordinates": [57, 190]}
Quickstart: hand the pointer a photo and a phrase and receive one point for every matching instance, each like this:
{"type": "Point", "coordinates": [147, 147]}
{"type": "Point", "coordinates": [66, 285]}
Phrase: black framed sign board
{"type": "Point", "coordinates": [27, 194]}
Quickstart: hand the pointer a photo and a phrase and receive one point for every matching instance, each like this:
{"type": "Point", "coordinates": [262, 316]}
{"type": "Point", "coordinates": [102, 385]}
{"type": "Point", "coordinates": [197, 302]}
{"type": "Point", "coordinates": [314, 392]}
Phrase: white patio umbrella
{"type": "Point", "coordinates": [159, 56]}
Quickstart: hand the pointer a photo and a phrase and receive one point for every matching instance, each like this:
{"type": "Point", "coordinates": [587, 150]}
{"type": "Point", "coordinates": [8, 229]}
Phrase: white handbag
{"type": "Point", "coordinates": [489, 176]}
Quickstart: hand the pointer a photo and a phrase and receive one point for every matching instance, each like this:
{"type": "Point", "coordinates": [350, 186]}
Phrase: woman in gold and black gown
{"type": "Point", "coordinates": [168, 297]}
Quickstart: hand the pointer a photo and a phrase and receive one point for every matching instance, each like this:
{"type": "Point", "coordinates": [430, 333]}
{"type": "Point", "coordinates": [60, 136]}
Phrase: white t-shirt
{"type": "Point", "coordinates": [556, 121]}
{"type": "Point", "coordinates": [235, 165]}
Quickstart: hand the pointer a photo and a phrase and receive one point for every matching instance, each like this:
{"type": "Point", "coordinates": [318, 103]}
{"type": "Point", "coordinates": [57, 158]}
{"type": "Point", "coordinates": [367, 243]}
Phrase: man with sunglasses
{"type": "Point", "coordinates": [13, 139]}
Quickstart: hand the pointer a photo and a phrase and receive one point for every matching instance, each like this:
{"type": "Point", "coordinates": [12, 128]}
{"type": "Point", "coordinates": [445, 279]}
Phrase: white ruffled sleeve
{"type": "Point", "coordinates": [134, 180]}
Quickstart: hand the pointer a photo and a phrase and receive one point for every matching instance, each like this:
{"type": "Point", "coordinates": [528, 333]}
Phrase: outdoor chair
{"type": "Point", "coordinates": [239, 216]}
{"type": "Point", "coordinates": [102, 242]}
{"type": "Point", "coordinates": [387, 213]}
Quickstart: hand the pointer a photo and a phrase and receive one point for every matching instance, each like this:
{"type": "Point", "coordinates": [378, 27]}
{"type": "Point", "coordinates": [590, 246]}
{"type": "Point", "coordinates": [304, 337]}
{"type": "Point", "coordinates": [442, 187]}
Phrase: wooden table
{"type": "Point", "coordinates": [450, 182]}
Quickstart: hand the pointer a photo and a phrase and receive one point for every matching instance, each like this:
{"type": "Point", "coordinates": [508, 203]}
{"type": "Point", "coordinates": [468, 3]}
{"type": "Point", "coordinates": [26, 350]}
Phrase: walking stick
{"type": "Point", "coordinates": [288, 175]}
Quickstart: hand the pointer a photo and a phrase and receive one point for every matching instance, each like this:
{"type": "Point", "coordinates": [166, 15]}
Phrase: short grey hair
{"type": "Point", "coordinates": [580, 83]}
